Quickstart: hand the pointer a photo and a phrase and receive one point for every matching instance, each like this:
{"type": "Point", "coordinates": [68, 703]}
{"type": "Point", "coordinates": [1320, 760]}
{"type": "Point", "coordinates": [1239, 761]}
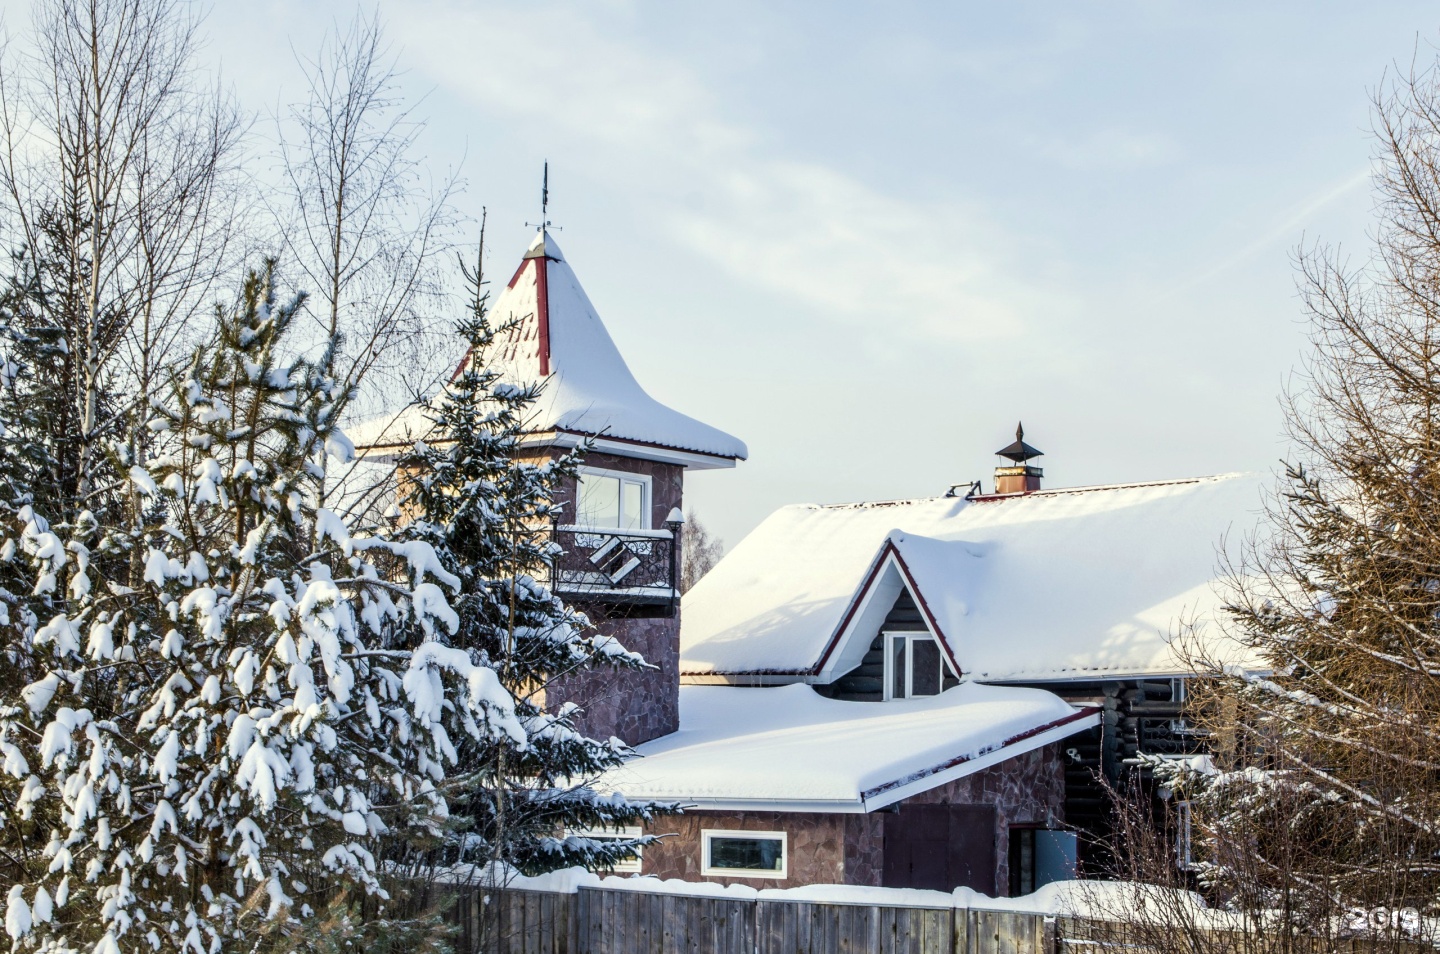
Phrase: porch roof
{"type": "Point", "coordinates": [791, 749]}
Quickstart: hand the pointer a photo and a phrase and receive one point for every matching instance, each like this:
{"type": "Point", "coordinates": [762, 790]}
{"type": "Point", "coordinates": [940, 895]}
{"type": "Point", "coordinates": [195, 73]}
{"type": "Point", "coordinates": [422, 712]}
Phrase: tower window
{"type": "Point", "coordinates": [612, 499]}
{"type": "Point", "coordinates": [915, 666]}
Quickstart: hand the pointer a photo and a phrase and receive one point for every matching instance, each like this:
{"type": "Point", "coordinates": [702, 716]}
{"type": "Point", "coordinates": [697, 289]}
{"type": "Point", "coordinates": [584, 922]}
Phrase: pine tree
{"type": "Point", "coordinates": [488, 509]}
{"type": "Point", "coordinates": [236, 733]}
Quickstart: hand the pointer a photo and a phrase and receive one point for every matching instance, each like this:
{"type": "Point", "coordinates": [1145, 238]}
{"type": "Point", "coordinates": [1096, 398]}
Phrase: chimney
{"type": "Point", "coordinates": [1020, 477]}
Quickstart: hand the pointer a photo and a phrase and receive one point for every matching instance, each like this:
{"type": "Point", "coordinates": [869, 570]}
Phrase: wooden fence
{"type": "Point", "coordinates": [604, 921]}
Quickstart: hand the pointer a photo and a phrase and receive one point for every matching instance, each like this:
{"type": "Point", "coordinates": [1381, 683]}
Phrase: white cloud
{"type": "Point", "coordinates": [1109, 150]}
{"type": "Point", "coordinates": [650, 127]}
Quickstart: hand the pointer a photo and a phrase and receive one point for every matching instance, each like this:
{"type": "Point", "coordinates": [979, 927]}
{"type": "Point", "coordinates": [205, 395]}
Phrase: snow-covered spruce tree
{"type": "Point", "coordinates": [1326, 806]}
{"type": "Point", "coordinates": [230, 733]}
{"type": "Point", "coordinates": [487, 509]}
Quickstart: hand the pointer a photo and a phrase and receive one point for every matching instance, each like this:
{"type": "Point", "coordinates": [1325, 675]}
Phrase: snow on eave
{"type": "Point", "coordinates": [923, 781]}
{"type": "Point", "coordinates": [790, 749]}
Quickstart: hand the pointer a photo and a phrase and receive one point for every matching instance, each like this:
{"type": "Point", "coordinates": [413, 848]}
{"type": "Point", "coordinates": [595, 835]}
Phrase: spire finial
{"type": "Point", "coordinates": [545, 224]}
{"type": "Point", "coordinates": [1020, 431]}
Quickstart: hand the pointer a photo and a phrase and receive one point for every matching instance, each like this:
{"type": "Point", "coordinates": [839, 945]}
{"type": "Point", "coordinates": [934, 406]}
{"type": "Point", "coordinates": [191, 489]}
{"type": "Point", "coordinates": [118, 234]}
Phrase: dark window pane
{"type": "Point", "coordinates": [750, 854]}
{"type": "Point", "coordinates": [897, 669]}
{"type": "Point", "coordinates": [926, 665]}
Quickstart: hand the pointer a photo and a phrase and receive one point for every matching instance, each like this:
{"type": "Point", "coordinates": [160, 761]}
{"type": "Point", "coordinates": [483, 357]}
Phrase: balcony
{"type": "Point", "coordinates": [633, 571]}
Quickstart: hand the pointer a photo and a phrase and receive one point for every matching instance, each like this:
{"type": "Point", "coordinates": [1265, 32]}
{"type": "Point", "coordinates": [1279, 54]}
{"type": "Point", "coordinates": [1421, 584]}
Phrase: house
{"type": "Point", "coordinates": [907, 693]}
{"type": "Point", "coordinates": [1095, 596]}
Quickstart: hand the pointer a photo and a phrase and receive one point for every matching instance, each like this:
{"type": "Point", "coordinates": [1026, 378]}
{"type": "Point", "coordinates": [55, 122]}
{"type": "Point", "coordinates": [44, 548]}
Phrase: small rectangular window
{"type": "Point", "coordinates": [743, 854]}
{"type": "Point", "coordinates": [632, 504]}
{"type": "Point", "coordinates": [629, 865]}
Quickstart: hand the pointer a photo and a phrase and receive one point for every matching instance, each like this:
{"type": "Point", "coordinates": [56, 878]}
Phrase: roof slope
{"type": "Point", "coordinates": [790, 749]}
{"type": "Point", "coordinates": [1046, 585]}
{"type": "Point", "coordinates": [556, 335]}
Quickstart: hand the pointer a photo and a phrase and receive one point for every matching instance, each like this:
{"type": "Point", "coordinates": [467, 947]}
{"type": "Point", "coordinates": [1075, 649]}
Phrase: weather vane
{"type": "Point", "coordinates": [544, 225]}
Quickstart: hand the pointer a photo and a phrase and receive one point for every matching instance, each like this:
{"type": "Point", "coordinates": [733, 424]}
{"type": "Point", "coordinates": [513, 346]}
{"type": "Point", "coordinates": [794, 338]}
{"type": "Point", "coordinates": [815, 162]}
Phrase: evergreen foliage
{"type": "Point", "coordinates": [486, 505]}
{"type": "Point", "coordinates": [1323, 798]}
{"type": "Point", "coordinates": [233, 710]}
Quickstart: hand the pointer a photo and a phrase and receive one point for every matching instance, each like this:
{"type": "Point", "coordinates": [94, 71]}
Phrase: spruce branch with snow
{"type": "Point", "coordinates": [232, 731]}
{"type": "Point", "coordinates": [487, 511]}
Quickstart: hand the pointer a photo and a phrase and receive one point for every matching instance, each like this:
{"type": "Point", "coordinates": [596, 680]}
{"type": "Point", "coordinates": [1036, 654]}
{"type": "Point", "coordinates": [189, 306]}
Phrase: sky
{"type": "Point", "coordinates": [869, 238]}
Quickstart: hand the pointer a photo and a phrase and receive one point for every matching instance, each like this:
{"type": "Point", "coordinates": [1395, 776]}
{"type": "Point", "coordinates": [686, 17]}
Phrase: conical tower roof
{"type": "Point", "coordinates": [556, 336]}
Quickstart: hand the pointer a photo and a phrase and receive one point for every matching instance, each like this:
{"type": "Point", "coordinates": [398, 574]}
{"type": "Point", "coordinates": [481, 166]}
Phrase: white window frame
{"type": "Point", "coordinates": [910, 636]}
{"type": "Point", "coordinates": [710, 834]}
{"type": "Point", "coordinates": [632, 866]}
{"type": "Point", "coordinates": [646, 504]}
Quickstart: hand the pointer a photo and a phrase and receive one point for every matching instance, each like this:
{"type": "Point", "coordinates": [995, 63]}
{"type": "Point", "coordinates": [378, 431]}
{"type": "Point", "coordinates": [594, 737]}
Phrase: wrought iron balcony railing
{"type": "Point", "coordinates": [637, 568]}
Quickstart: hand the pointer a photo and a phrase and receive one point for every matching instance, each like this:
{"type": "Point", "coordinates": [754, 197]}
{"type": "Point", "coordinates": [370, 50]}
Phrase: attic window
{"type": "Point", "coordinates": [608, 498]}
{"type": "Point", "coordinates": [915, 666]}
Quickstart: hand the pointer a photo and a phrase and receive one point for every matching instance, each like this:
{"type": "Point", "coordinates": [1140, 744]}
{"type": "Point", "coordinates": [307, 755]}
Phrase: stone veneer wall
{"type": "Point", "coordinates": [633, 706]}
{"type": "Point", "coordinates": [630, 705]}
{"type": "Point", "coordinates": [850, 848]}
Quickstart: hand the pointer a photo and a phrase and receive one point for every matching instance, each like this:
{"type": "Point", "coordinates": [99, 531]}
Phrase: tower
{"type": "Point", "coordinates": [620, 538]}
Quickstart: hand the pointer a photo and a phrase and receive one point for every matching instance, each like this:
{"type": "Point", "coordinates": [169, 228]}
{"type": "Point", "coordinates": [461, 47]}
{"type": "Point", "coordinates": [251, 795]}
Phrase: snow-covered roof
{"type": "Point", "coordinates": [556, 335]}
{"type": "Point", "coordinates": [1055, 584]}
{"type": "Point", "coordinates": [791, 749]}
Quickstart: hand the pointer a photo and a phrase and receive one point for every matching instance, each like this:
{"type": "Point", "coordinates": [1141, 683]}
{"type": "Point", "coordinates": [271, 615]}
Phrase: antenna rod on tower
{"type": "Point", "coordinates": [544, 225]}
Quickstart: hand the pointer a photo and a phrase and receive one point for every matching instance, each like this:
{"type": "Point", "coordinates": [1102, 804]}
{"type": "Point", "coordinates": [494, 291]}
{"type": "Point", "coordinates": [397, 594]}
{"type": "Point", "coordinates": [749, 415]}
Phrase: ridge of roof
{"type": "Point", "coordinates": [996, 498]}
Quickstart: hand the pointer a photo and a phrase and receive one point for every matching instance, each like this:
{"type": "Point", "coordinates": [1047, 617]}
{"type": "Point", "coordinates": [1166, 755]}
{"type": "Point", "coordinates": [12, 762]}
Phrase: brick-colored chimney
{"type": "Point", "coordinates": [1020, 477]}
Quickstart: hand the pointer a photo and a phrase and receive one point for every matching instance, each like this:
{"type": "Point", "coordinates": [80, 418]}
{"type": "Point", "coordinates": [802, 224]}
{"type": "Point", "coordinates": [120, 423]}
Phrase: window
{"type": "Point", "coordinates": [608, 498]}
{"type": "Point", "coordinates": [915, 666]}
{"type": "Point", "coordinates": [743, 854]}
{"type": "Point", "coordinates": [629, 865]}
{"type": "Point", "coordinates": [1022, 861]}
{"type": "Point", "coordinates": [1182, 835]}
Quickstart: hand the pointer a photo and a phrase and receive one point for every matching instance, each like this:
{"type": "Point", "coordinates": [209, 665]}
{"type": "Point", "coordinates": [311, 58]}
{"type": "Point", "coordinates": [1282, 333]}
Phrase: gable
{"type": "Point", "coordinates": [888, 593]}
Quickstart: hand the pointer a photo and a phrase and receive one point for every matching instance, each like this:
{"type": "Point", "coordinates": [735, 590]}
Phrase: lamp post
{"type": "Point", "coordinates": [674, 522]}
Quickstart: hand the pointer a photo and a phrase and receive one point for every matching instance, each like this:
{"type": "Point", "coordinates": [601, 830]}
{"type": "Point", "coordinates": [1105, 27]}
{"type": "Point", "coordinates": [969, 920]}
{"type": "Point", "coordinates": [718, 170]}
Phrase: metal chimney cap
{"type": "Point", "coordinates": [1019, 451]}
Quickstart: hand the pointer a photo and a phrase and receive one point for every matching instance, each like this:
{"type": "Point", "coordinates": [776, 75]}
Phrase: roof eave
{"type": "Point", "coordinates": [619, 446]}
{"type": "Point", "coordinates": [924, 781]}
{"type": "Point", "coordinates": [906, 787]}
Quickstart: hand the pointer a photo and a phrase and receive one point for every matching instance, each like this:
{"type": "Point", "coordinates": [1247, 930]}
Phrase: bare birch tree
{"type": "Point", "coordinates": [699, 551]}
{"type": "Point", "coordinates": [372, 233]}
{"type": "Point", "coordinates": [119, 180]}
{"type": "Point", "coordinates": [1321, 804]}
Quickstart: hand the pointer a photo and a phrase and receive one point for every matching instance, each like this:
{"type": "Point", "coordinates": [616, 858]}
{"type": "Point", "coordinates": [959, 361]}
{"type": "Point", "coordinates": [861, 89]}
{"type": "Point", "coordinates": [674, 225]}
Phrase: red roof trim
{"type": "Point", "coordinates": [925, 608]}
{"type": "Point", "coordinates": [850, 610]}
{"type": "Point", "coordinates": [1098, 488]}
{"type": "Point", "coordinates": [519, 270]}
{"type": "Point", "coordinates": [870, 793]}
{"type": "Point", "coordinates": [542, 299]}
